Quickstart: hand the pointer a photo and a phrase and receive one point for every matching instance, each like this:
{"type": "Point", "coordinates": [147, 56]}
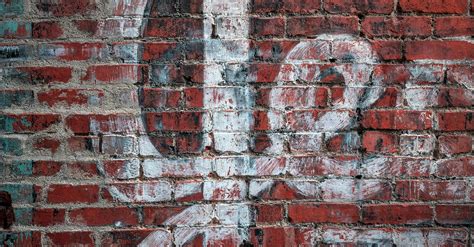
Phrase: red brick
{"type": "Point", "coordinates": [104, 216]}
{"type": "Point", "coordinates": [342, 142]}
{"type": "Point", "coordinates": [261, 142]}
{"type": "Point", "coordinates": [47, 30]}
{"type": "Point", "coordinates": [71, 97]}
{"type": "Point", "coordinates": [171, 27]}
{"type": "Point", "coordinates": [157, 97]}
{"type": "Point", "coordinates": [190, 143]}
{"type": "Point", "coordinates": [121, 169]}
{"type": "Point", "coordinates": [123, 73]}
{"type": "Point", "coordinates": [46, 168]}
{"type": "Point", "coordinates": [131, 237]}
{"type": "Point", "coordinates": [359, 6]}
{"type": "Point", "coordinates": [300, 6]}
{"type": "Point", "coordinates": [159, 215]}
{"type": "Point", "coordinates": [455, 121]}
{"type": "Point", "coordinates": [455, 97]}
{"type": "Point", "coordinates": [426, 190]}
{"type": "Point", "coordinates": [313, 26]}
{"type": "Point", "coordinates": [397, 120]}
{"type": "Point", "coordinates": [76, 238]}
{"type": "Point", "coordinates": [267, 27]}
{"type": "Point", "coordinates": [174, 121]}
{"type": "Point", "coordinates": [396, 26]}
{"type": "Point", "coordinates": [454, 26]}
{"type": "Point", "coordinates": [46, 75]}
{"type": "Point", "coordinates": [83, 144]}
{"type": "Point", "coordinates": [388, 98]}
{"type": "Point", "coordinates": [28, 123]}
{"type": "Point", "coordinates": [194, 97]}
{"type": "Point", "coordinates": [50, 144]}
{"type": "Point", "coordinates": [269, 213]}
{"type": "Point", "coordinates": [66, 8]}
{"type": "Point", "coordinates": [461, 75]}
{"type": "Point", "coordinates": [457, 167]}
{"type": "Point", "coordinates": [434, 6]}
{"type": "Point", "coordinates": [88, 26]}
{"type": "Point", "coordinates": [164, 51]}
{"type": "Point", "coordinates": [275, 50]}
{"type": "Point", "coordinates": [439, 50]}
{"type": "Point", "coordinates": [380, 142]}
{"type": "Point", "coordinates": [286, 236]}
{"type": "Point", "coordinates": [455, 214]}
{"type": "Point", "coordinates": [73, 51]}
{"type": "Point", "coordinates": [390, 74]}
{"type": "Point", "coordinates": [283, 190]}
{"type": "Point", "coordinates": [455, 144]}
{"type": "Point", "coordinates": [397, 214]}
{"type": "Point", "coordinates": [48, 216]}
{"type": "Point", "coordinates": [323, 213]}
{"type": "Point", "coordinates": [83, 124]}
{"type": "Point", "coordinates": [65, 193]}
{"type": "Point", "coordinates": [82, 170]}
{"type": "Point", "coordinates": [286, 6]}
{"type": "Point", "coordinates": [387, 49]}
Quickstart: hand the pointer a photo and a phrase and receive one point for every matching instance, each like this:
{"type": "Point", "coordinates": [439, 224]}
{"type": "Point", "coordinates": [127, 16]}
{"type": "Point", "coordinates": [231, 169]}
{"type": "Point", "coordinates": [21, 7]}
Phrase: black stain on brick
{"type": "Point", "coordinates": [7, 216]}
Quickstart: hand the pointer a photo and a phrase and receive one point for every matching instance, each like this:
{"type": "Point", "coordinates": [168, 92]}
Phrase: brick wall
{"type": "Point", "coordinates": [236, 122]}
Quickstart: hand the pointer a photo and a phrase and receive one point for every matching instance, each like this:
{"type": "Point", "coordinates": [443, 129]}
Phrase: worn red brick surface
{"type": "Point", "coordinates": [236, 122]}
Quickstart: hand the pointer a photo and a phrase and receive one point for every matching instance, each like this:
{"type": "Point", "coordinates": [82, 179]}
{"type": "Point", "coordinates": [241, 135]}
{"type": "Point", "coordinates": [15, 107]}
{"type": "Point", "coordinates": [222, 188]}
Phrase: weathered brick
{"type": "Point", "coordinates": [312, 26]}
{"type": "Point", "coordinates": [359, 7]}
{"type": "Point", "coordinates": [65, 193]}
{"type": "Point", "coordinates": [397, 120]}
{"type": "Point", "coordinates": [15, 97]}
{"type": "Point", "coordinates": [27, 123]}
{"type": "Point", "coordinates": [397, 214]}
{"type": "Point", "coordinates": [455, 121]}
{"type": "Point", "coordinates": [15, 30]}
{"type": "Point", "coordinates": [455, 214]}
{"type": "Point", "coordinates": [66, 8]}
{"type": "Point", "coordinates": [47, 30]}
{"type": "Point", "coordinates": [83, 238]}
{"type": "Point", "coordinates": [454, 26]}
{"type": "Point", "coordinates": [48, 216]}
{"type": "Point", "coordinates": [439, 50]}
{"type": "Point", "coordinates": [424, 190]}
{"type": "Point", "coordinates": [397, 27]}
{"type": "Point", "coordinates": [119, 216]}
{"type": "Point", "coordinates": [323, 213]}
{"type": "Point", "coordinates": [434, 6]}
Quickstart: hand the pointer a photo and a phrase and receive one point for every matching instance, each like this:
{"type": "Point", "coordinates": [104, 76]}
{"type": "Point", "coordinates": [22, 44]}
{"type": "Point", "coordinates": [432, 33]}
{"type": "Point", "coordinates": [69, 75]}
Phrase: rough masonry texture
{"type": "Point", "coordinates": [236, 122]}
